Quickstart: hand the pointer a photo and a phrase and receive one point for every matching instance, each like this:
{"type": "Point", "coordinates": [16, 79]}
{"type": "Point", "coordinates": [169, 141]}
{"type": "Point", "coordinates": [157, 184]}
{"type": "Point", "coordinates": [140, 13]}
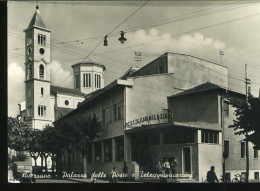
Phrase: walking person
{"type": "Point", "coordinates": [211, 175]}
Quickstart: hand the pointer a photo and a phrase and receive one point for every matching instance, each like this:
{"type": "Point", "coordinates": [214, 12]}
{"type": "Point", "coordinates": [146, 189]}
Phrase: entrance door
{"type": "Point", "coordinates": [186, 160]}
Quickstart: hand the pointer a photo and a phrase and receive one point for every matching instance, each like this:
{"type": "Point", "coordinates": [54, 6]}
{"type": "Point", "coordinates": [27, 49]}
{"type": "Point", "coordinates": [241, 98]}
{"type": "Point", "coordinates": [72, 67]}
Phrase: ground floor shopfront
{"type": "Point", "coordinates": [142, 148]}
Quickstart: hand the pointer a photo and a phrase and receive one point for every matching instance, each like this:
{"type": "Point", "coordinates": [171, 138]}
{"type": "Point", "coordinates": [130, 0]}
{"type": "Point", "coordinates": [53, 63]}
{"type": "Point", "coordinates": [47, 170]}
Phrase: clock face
{"type": "Point", "coordinates": [42, 50]}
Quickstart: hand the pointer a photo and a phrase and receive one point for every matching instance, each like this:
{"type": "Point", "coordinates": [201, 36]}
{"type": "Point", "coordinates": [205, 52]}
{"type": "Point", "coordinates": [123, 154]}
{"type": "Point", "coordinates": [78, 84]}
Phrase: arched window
{"type": "Point", "coordinates": [30, 70]}
{"type": "Point", "coordinates": [41, 71]}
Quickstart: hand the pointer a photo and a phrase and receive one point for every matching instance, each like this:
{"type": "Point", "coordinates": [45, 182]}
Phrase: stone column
{"type": "Point", "coordinates": [161, 137]}
{"type": "Point", "coordinates": [85, 164]}
{"type": "Point", "coordinates": [93, 158]}
{"type": "Point", "coordinates": [113, 150]}
{"type": "Point", "coordinates": [220, 138]}
{"type": "Point", "coordinates": [127, 148]}
{"type": "Point", "coordinates": [198, 136]}
{"type": "Point", "coordinates": [102, 151]}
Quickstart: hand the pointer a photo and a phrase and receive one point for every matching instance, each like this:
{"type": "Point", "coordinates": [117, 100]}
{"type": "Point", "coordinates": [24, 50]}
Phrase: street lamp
{"type": "Point", "coordinates": [105, 41]}
{"type": "Point", "coordinates": [122, 39]}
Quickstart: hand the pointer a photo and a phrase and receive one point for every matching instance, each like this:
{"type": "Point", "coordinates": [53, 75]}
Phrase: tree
{"type": "Point", "coordinates": [19, 134]}
{"type": "Point", "coordinates": [34, 145]}
{"type": "Point", "coordinates": [88, 130]}
{"type": "Point", "coordinates": [78, 134]}
{"type": "Point", "coordinates": [247, 122]}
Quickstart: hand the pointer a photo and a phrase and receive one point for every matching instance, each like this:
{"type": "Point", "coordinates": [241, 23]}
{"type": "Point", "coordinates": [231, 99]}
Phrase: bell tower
{"type": "Point", "coordinates": [37, 72]}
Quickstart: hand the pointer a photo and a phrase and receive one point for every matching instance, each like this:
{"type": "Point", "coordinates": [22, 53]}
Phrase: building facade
{"type": "Point", "coordinates": [175, 106]}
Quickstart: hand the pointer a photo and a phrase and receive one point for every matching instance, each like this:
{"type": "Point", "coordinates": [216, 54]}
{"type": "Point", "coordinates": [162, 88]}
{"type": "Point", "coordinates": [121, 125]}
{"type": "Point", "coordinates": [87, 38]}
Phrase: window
{"type": "Point", "coordinates": [98, 116]}
{"type": "Point", "coordinates": [29, 39]}
{"type": "Point", "coordinates": [30, 70]}
{"type": "Point", "coordinates": [155, 139]}
{"type": "Point", "coordinates": [243, 149]}
{"type": "Point", "coordinates": [226, 148]}
{"type": "Point", "coordinates": [41, 71]}
{"type": "Point", "coordinates": [86, 80]}
{"type": "Point", "coordinates": [42, 91]}
{"type": "Point", "coordinates": [89, 154]}
{"type": "Point", "coordinates": [29, 93]}
{"type": "Point", "coordinates": [41, 39]}
{"type": "Point", "coordinates": [66, 102]}
{"type": "Point", "coordinates": [176, 137]}
{"type": "Point", "coordinates": [208, 136]}
{"type": "Point", "coordinates": [119, 111]}
{"type": "Point", "coordinates": [256, 175]}
{"type": "Point", "coordinates": [97, 81]}
{"type": "Point", "coordinates": [107, 115]}
{"type": "Point", "coordinates": [108, 150]}
{"type": "Point", "coordinates": [119, 149]}
{"type": "Point", "coordinates": [97, 151]}
{"type": "Point", "coordinates": [41, 110]}
{"type": "Point", "coordinates": [77, 82]}
{"type": "Point", "coordinates": [226, 108]}
{"type": "Point", "coordinates": [255, 153]}
{"type": "Point", "coordinates": [160, 70]}
{"type": "Point", "coordinates": [29, 113]}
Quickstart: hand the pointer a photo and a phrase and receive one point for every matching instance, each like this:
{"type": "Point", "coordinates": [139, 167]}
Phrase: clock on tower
{"type": "Point", "coordinates": [37, 72]}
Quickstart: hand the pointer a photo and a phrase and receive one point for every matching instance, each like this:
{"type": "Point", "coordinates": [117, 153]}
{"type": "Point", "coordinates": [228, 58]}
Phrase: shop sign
{"type": "Point", "coordinates": [150, 119]}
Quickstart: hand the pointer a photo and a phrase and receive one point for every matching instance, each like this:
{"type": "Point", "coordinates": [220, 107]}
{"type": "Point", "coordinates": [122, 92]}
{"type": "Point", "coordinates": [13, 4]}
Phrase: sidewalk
{"type": "Point", "coordinates": [86, 180]}
{"type": "Point", "coordinates": [143, 180]}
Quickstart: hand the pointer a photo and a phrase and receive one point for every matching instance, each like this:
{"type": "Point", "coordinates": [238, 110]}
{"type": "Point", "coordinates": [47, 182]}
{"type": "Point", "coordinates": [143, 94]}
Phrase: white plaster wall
{"type": "Point", "coordinates": [73, 101]}
{"type": "Point", "coordinates": [209, 155]}
{"type": "Point", "coordinates": [148, 96]}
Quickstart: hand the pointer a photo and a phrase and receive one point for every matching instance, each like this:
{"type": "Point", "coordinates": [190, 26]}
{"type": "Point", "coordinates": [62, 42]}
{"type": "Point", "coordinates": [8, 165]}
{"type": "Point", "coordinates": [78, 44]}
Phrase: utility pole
{"type": "Point", "coordinates": [247, 81]}
{"type": "Point", "coordinates": [221, 53]}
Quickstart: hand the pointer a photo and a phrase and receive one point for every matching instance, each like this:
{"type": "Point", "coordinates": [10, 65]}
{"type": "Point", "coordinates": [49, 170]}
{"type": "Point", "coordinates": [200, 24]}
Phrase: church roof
{"type": "Point", "coordinates": [37, 19]}
{"type": "Point", "coordinates": [68, 91]}
{"type": "Point", "coordinates": [61, 111]}
{"type": "Point", "coordinates": [198, 89]}
{"type": "Point", "coordinates": [90, 61]}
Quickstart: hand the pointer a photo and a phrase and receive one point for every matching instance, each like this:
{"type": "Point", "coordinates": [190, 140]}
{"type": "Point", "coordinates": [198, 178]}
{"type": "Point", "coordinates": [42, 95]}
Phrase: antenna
{"type": "Point", "coordinates": [221, 53]}
{"type": "Point", "coordinates": [137, 57]}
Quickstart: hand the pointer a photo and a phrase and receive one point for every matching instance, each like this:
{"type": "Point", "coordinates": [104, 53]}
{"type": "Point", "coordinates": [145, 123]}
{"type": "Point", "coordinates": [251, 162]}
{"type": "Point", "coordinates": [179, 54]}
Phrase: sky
{"type": "Point", "coordinates": [201, 29]}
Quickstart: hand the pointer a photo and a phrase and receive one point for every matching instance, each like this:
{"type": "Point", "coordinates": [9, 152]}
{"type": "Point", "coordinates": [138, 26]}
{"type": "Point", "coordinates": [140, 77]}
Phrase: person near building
{"type": "Point", "coordinates": [114, 174]}
{"type": "Point", "coordinates": [125, 171]}
{"type": "Point", "coordinates": [160, 166]}
{"type": "Point", "coordinates": [211, 175]}
{"type": "Point", "coordinates": [174, 165]}
{"type": "Point", "coordinates": [167, 166]}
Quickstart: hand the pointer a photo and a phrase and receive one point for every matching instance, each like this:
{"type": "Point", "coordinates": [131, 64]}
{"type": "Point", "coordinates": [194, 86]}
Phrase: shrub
{"type": "Point", "coordinates": [37, 170]}
{"type": "Point", "coordinates": [20, 157]}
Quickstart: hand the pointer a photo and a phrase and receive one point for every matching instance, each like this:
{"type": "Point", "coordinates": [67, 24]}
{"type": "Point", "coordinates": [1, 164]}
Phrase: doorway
{"type": "Point", "coordinates": [186, 154]}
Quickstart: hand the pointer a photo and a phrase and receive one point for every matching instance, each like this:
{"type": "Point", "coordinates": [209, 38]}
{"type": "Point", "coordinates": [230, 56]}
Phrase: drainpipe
{"type": "Point", "coordinates": [223, 135]}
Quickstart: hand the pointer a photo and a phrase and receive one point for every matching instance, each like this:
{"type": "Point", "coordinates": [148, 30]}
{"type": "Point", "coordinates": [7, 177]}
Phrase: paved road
{"type": "Point", "coordinates": [55, 181]}
{"type": "Point", "coordinates": [75, 181]}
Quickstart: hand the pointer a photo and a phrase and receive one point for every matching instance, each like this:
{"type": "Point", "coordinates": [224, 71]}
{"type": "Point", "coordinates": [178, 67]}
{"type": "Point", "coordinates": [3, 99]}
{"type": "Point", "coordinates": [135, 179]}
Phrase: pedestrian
{"type": "Point", "coordinates": [114, 174]}
{"type": "Point", "coordinates": [160, 166]}
{"type": "Point", "coordinates": [174, 165]}
{"type": "Point", "coordinates": [211, 175]}
{"type": "Point", "coordinates": [167, 166]}
{"type": "Point", "coordinates": [125, 171]}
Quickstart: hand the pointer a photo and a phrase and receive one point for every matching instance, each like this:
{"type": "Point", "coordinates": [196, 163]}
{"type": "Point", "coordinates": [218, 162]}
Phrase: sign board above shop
{"type": "Point", "coordinates": [150, 120]}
